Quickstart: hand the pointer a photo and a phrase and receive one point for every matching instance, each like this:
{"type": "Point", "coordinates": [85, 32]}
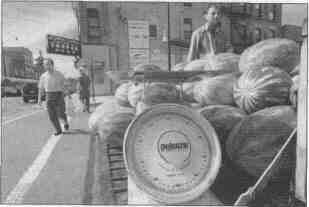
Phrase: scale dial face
{"type": "Point", "coordinates": [172, 153]}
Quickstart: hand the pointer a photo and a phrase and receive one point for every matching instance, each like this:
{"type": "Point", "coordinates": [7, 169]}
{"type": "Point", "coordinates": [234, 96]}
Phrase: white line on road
{"type": "Point", "coordinates": [21, 117]}
{"type": "Point", "coordinates": [17, 194]}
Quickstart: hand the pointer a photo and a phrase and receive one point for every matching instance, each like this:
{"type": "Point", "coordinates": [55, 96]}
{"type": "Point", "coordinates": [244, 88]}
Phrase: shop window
{"type": "Point", "coordinates": [187, 4]}
{"type": "Point", "coordinates": [94, 29]}
{"type": "Point", "coordinates": [240, 8]}
{"type": "Point", "coordinates": [257, 35]}
{"type": "Point", "coordinates": [272, 33]}
{"type": "Point", "coordinates": [274, 11]}
{"type": "Point", "coordinates": [153, 31]}
{"type": "Point", "coordinates": [188, 27]}
{"type": "Point", "coordinates": [258, 10]}
{"type": "Point", "coordinates": [239, 34]}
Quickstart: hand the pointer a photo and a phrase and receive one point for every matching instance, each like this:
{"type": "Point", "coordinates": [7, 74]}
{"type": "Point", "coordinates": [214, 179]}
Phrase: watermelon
{"type": "Point", "coordinates": [179, 66]}
{"type": "Point", "coordinates": [276, 52]}
{"type": "Point", "coordinates": [112, 128]}
{"type": "Point", "coordinates": [295, 71]}
{"type": "Point", "coordinates": [140, 107]}
{"type": "Point", "coordinates": [284, 113]}
{"type": "Point", "coordinates": [198, 64]}
{"type": "Point", "coordinates": [254, 141]}
{"type": "Point", "coordinates": [188, 91]}
{"type": "Point", "coordinates": [121, 94]}
{"type": "Point", "coordinates": [223, 118]}
{"type": "Point", "coordinates": [156, 93]}
{"type": "Point", "coordinates": [135, 93]}
{"type": "Point", "coordinates": [258, 89]}
{"type": "Point", "coordinates": [223, 61]}
{"type": "Point", "coordinates": [108, 108]}
{"type": "Point", "coordinates": [216, 90]}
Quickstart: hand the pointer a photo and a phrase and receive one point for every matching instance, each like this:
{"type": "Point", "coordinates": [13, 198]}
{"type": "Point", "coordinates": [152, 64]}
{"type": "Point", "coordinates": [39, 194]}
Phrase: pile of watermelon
{"type": "Point", "coordinates": [251, 106]}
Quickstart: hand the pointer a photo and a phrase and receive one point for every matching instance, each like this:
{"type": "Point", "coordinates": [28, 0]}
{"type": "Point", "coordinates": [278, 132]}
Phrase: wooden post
{"type": "Point", "coordinates": [302, 112]}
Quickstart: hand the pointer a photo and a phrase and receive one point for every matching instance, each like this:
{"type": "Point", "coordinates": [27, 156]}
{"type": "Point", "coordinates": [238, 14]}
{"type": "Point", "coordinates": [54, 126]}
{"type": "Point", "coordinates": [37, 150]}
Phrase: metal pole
{"type": "Point", "coordinates": [168, 36]}
{"type": "Point", "coordinates": [92, 80]}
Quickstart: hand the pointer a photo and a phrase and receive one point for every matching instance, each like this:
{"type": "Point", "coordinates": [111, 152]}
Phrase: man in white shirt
{"type": "Point", "coordinates": [209, 39]}
{"type": "Point", "coordinates": [52, 82]}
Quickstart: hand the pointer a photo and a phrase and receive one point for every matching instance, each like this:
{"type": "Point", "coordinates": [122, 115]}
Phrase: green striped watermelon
{"type": "Point", "coordinates": [121, 94]}
{"type": "Point", "coordinates": [258, 89]}
{"type": "Point", "coordinates": [276, 52]}
{"type": "Point", "coordinates": [216, 90]}
{"type": "Point", "coordinates": [254, 141]}
{"type": "Point", "coordinates": [223, 61]}
{"type": "Point", "coordinates": [179, 66]}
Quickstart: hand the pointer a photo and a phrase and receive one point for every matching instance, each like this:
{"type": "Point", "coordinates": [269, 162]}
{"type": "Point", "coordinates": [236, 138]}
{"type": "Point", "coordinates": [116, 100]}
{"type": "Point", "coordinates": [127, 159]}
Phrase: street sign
{"type": "Point", "coordinates": [63, 46]}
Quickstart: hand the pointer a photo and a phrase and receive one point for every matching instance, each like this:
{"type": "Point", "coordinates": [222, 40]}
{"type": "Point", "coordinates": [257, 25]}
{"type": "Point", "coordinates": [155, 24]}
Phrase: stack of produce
{"type": "Point", "coordinates": [249, 104]}
{"type": "Point", "coordinates": [121, 94]}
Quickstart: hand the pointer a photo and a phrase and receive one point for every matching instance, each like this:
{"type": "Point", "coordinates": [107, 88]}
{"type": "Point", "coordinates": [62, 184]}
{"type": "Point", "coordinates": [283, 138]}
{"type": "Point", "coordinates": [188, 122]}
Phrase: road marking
{"type": "Point", "coordinates": [23, 185]}
{"type": "Point", "coordinates": [21, 117]}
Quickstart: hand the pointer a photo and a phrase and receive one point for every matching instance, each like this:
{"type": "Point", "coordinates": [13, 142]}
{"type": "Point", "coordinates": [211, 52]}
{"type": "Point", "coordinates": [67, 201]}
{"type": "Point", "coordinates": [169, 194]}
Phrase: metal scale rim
{"type": "Point", "coordinates": [210, 135]}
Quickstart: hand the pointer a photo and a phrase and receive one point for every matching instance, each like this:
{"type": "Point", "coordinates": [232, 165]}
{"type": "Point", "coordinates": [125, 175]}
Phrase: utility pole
{"type": "Point", "coordinates": [168, 36]}
{"type": "Point", "coordinates": [92, 81]}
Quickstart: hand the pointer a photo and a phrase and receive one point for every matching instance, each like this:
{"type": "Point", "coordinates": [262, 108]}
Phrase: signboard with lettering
{"type": "Point", "coordinates": [63, 46]}
{"type": "Point", "coordinates": [138, 34]}
{"type": "Point", "coordinates": [138, 42]}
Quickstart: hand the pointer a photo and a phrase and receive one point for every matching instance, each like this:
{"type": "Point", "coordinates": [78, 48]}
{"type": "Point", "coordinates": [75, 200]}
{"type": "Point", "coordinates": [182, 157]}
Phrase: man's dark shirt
{"type": "Point", "coordinates": [84, 85]}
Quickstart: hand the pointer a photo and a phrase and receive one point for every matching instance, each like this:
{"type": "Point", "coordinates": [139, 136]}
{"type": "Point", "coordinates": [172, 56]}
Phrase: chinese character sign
{"type": "Point", "coordinates": [63, 46]}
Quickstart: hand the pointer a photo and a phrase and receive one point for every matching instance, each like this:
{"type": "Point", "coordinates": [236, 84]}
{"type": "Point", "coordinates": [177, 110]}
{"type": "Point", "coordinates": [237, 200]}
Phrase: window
{"type": "Point", "coordinates": [258, 10]}
{"type": "Point", "coordinates": [257, 35]}
{"type": "Point", "coordinates": [239, 34]}
{"type": "Point", "coordinates": [187, 29]}
{"type": "Point", "coordinates": [94, 29]}
{"type": "Point", "coordinates": [153, 31]}
{"type": "Point", "coordinates": [239, 8]}
{"type": "Point", "coordinates": [274, 11]}
{"type": "Point", "coordinates": [187, 4]}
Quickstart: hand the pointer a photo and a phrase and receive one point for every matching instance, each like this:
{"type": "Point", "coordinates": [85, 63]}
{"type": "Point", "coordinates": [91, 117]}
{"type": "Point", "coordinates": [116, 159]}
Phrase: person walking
{"type": "Point", "coordinates": [52, 82]}
{"type": "Point", "coordinates": [83, 87]}
{"type": "Point", "coordinates": [209, 39]}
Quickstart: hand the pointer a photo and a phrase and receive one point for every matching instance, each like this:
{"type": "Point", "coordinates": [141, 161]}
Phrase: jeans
{"type": "Point", "coordinates": [56, 109]}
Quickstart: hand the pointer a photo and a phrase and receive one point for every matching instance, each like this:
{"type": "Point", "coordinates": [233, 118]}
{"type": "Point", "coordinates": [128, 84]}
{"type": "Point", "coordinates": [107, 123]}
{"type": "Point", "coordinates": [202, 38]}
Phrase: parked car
{"type": "Point", "coordinates": [31, 92]}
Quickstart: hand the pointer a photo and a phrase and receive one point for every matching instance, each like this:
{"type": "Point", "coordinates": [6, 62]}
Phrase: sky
{"type": "Point", "coordinates": [294, 14]}
{"type": "Point", "coordinates": [27, 23]}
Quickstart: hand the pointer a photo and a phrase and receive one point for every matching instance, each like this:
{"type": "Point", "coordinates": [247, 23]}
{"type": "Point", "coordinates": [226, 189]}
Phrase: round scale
{"type": "Point", "coordinates": [172, 153]}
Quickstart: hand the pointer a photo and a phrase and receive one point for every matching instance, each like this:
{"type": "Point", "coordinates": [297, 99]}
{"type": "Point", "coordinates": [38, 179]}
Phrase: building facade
{"type": "Point", "coordinates": [292, 32]}
{"type": "Point", "coordinates": [119, 35]}
{"type": "Point", "coordinates": [17, 62]}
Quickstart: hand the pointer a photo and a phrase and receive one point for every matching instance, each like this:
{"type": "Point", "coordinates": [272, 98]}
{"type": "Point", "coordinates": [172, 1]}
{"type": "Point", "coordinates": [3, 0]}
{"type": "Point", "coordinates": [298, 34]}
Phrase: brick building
{"type": "Point", "coordinates": [119, 35]}
{"type": "Point", "coordinates": [17, 62]}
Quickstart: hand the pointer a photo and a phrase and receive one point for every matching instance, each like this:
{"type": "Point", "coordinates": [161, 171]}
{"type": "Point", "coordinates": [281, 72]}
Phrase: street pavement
{"type": "Point", "coordinates": [38, 168]}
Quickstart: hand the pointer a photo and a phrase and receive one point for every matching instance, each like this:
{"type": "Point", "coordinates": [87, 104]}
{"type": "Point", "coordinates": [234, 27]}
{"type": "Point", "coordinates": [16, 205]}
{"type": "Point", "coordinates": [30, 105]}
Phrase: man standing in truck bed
{"type": "Point", "coordinates": [52, 82]}
{"type": "Point", "coordinates": [209, 39]}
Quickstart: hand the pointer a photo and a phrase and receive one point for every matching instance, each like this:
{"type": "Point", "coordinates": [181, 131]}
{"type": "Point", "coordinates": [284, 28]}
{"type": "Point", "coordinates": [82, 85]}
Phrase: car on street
{"type": "Point", "coordinates": [31, 92]}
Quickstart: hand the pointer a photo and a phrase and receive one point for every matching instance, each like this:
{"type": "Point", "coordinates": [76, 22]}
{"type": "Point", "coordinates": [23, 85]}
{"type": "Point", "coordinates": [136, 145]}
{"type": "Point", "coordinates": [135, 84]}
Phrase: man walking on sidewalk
{"type": "Point", "coordinates": [52, 82]}
{"type": "Point", "coordinates": [84, 89]}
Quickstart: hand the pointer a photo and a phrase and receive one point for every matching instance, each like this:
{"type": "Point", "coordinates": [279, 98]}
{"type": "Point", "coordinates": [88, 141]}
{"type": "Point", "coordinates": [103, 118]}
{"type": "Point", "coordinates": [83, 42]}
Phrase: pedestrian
{"type": "Point", "coordinates": [209, 38]}
{"type": "Point", "coordinates": [83, 87]}
{"type": "Point", "coordinates": [52, 82]}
